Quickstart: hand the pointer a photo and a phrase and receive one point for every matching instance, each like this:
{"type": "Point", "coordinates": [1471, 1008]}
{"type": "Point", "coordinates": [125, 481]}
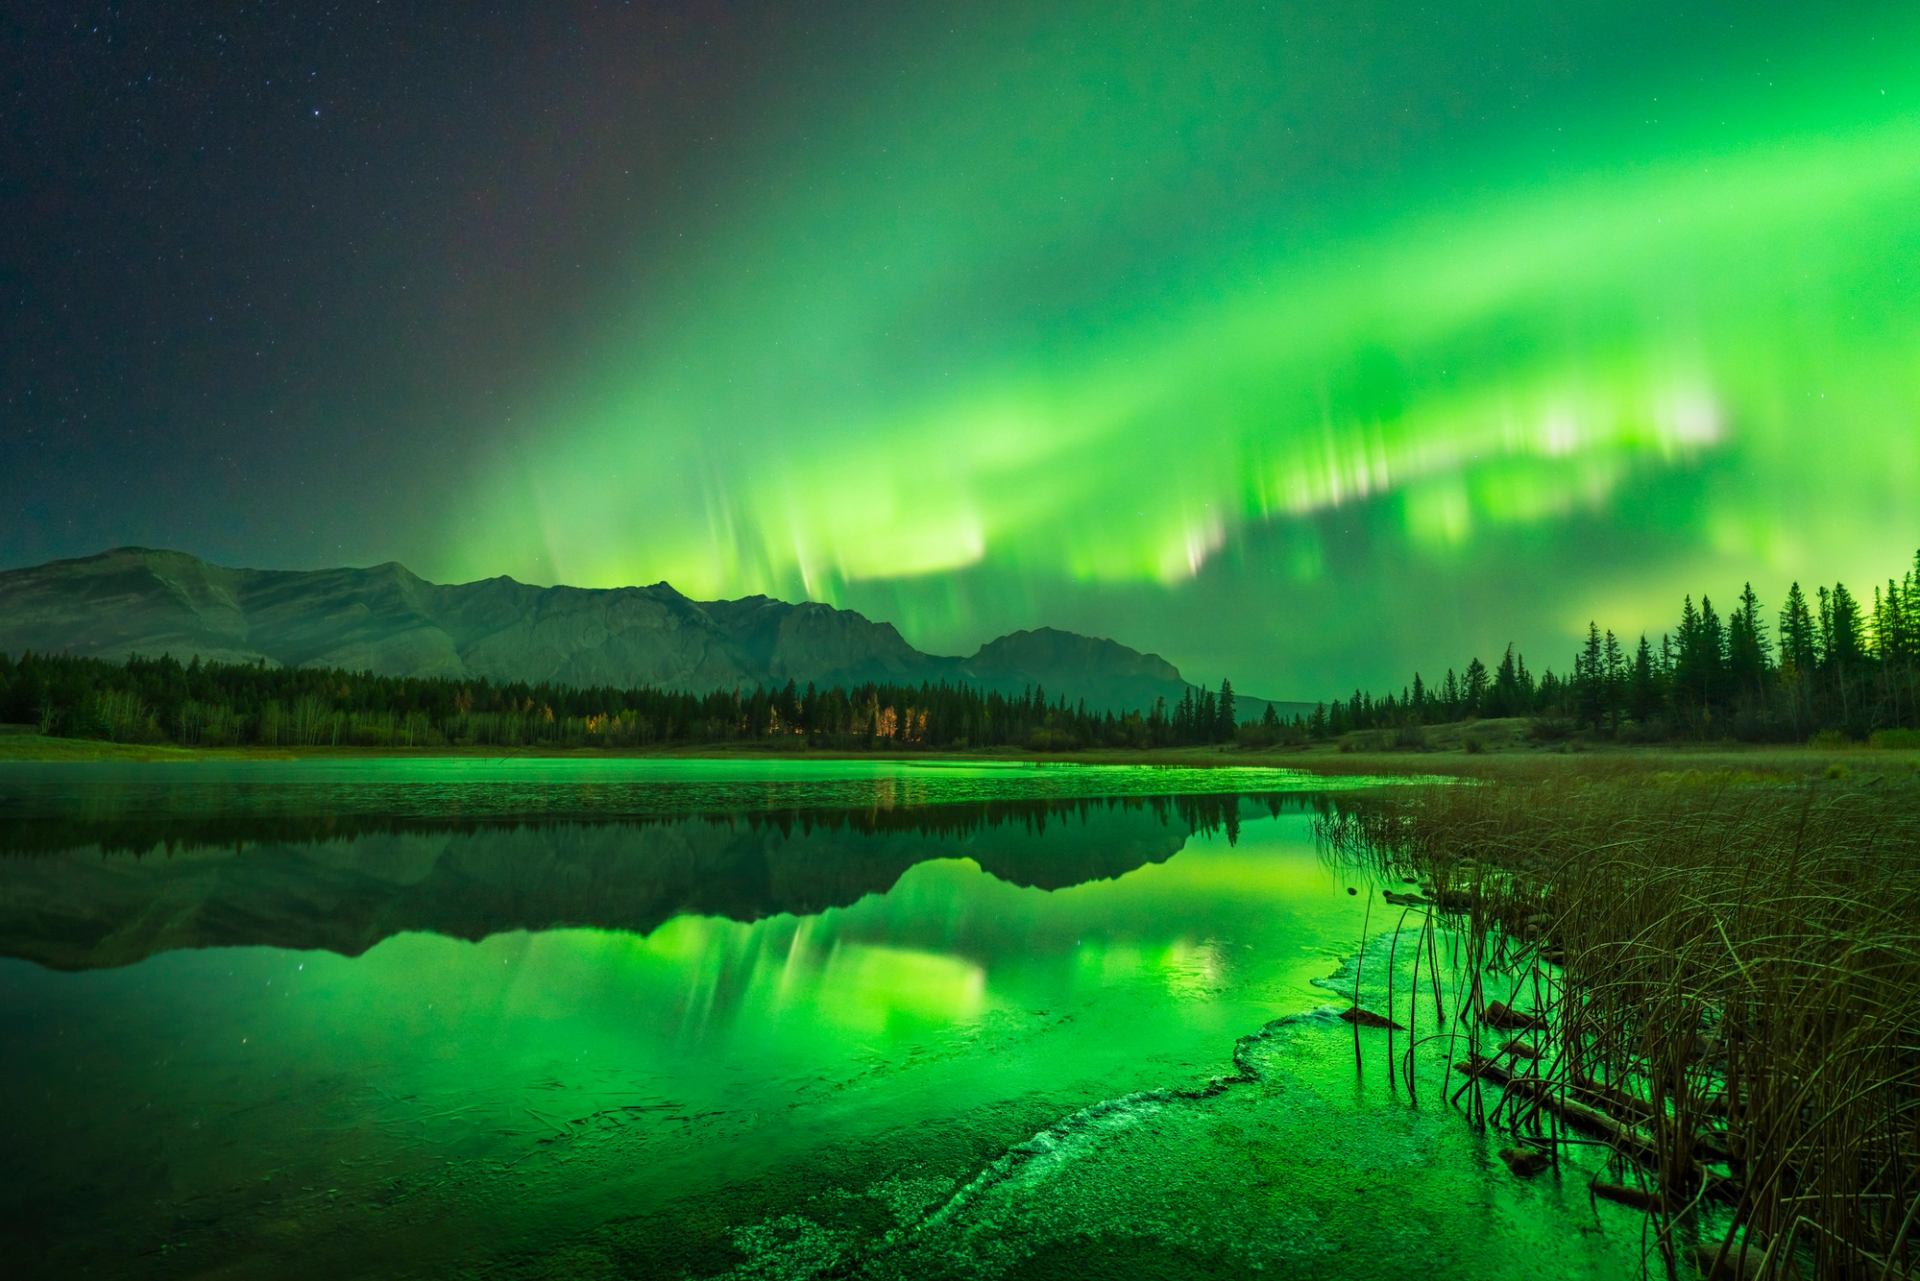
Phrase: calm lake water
{"type": "Point", "coordinates": [712, 1018]}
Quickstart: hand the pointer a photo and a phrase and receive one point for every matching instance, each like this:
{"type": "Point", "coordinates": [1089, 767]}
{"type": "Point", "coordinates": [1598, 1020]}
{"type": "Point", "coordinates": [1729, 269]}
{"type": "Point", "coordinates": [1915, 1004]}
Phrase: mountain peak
{"type": "Point", "coordinates": [1053, 646]}
{"type": "Point", "coordinates": [144, 555]}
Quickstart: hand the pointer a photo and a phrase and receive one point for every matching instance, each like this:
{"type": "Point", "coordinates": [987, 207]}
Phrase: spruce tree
{"type": "Point", "coordinates": [1505, 700]}
{"type": "Point", "coordinates": [1613, 680]}
{"type": "Point", "coordinates": [1475, 694]}
{"type": "Point", "coordinates": [1642, 696]}
{"type": "Point", "coordinates": [1589, 671]}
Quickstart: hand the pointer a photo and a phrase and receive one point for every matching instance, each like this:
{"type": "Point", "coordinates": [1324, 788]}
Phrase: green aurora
{"type": "Point", "coordinates": [1301, 346]}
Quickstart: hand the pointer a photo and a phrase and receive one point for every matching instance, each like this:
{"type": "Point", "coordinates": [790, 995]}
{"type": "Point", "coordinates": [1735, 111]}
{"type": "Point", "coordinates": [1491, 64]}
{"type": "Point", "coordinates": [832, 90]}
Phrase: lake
{"type": "Point", "coordinates": [537, 1018]}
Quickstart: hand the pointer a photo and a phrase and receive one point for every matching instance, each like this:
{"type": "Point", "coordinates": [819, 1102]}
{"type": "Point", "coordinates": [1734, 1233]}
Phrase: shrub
{"type": "Point", "coordinates": [1052, 740]}
{"type": "Point", "coordinates": [1902, 740]}
{"type": "Point", "coordinates": [1550, 729]}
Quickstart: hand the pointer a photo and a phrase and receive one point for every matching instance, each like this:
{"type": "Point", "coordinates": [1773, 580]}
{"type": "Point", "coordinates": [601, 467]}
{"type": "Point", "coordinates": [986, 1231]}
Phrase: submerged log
{"type": "Point", "coordinates": [1367, 1018]}
{"type": "Point", "coordinates": [1525, 1162]}
{"type": "Point", "coordinates": [1578, 1116]}
{"type": "Point", "coordinates": [1620, 1194]}
{"type": "Point", "coordinates": [1629, 1141]}
{"type": "Point", "coordinates": [1507, 1019]}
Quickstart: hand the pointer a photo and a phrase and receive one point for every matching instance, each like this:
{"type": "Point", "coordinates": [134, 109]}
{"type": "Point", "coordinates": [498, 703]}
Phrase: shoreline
{"type": "Point", "coordinates": [1514, 759]}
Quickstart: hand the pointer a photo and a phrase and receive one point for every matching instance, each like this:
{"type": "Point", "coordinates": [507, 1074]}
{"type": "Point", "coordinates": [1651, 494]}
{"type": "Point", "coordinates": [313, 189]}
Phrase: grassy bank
{"type": "Point", "coordinates": [1499, 751]}
{"type": "Point", "coordinates": [1714, 972]}
{"type": "Point", "coordinates": [22, 746]}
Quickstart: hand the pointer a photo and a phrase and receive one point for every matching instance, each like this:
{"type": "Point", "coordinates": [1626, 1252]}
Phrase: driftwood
{"type": "Point", "coordinates": [1625, 1139]}
{"type": "Point", "coordinates": [1500, 1015]}
{"type": "Point", "coordinates": [1622, 1194]}
{"type": "Point", "coordinates": [1525, 1162]}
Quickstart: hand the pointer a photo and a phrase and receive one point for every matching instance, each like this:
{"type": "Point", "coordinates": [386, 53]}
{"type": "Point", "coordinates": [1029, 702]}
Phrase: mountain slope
{"type": "Point", "coordinates": [388, 620]}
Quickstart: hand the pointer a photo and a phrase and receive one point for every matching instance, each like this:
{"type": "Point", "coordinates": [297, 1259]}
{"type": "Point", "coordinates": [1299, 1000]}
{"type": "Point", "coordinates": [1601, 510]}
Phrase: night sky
{"type": "Point", "coordinates": [1303, 343]}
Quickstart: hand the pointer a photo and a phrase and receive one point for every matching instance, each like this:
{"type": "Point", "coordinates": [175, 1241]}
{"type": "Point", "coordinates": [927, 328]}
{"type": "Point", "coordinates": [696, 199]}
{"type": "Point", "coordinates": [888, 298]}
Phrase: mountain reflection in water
{"type": "Point", "coordinates": [103, 896]}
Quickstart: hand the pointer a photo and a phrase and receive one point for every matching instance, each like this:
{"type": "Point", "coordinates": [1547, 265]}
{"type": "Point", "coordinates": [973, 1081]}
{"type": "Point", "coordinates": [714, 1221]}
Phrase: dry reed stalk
{"type": "Point", "coordinates": [1730, 974]}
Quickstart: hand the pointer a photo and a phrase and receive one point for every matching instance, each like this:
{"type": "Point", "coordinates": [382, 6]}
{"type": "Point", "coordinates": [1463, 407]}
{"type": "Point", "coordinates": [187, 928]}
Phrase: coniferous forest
{"type": "Point", "coordinates": [1829, 663]}
{"type": "Point", "coordinates": [236, 704]}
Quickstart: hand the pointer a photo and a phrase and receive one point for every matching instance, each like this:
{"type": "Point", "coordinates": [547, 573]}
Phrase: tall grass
{"type": "Point", "coordinates": [1727, 976]}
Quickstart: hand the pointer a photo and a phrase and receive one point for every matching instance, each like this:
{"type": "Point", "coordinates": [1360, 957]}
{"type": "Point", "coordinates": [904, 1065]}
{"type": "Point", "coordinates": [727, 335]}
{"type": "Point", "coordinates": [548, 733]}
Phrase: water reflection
{"type": "Point", "coordinates": [390, 1038]}
{"type": "Point", "coordinates": [102, 893]}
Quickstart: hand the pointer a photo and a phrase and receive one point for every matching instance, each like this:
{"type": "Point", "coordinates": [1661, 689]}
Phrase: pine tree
{"type": "Point", "coordinates": [1613, 680]}
{"type": "Point", "coordinates": [1846, 653]}
{"type": "Point", "coordinates": [1505, 699]}
{"type": "Point", "coordinates": [1475, 694]}
{"type": "Point", "coordinates": [1589, 674]}
{"type": "Point", "coordinates": [1713, 656]}
{"type": "Point", "coordinates": [1799, 660]}
{"type": "Point", "coordinates": [1747, 667]}
{"type": "Point", "coordinates": [1845, 647]}
{"type": "Point", "coordinates": [1642, 694]}
{"type": "Point", "coordinates": [1690, 678]}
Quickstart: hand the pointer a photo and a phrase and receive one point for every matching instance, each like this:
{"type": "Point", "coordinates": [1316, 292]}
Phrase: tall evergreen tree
{"type": "Point", "coordinates": [1475, 693]}
{"type": "Point", "coordinates": [1589, 674]}
{"type": "Point", "coordinates": [1642, 695]}
{"type": "Point", "coordinates": [1798, 636]}
{"type": "Point", "coordinates": [1505, 697]}
{"type": "Point", "coordinates": [1613, 680]}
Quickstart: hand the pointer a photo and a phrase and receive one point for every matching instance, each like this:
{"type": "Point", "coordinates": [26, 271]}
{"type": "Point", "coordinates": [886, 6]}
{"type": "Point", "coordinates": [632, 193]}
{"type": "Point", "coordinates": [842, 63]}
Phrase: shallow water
{"type": "Point", "coordinates": [710, 1018]}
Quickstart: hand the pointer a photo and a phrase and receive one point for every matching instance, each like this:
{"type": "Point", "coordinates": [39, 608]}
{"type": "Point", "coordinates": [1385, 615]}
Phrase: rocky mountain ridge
{"type": "Point", "coordinates": [388, 620]}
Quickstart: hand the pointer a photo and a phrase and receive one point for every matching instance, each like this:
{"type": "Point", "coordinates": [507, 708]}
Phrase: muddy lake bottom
{"type": "Point", "coordinates": [718, 1018]}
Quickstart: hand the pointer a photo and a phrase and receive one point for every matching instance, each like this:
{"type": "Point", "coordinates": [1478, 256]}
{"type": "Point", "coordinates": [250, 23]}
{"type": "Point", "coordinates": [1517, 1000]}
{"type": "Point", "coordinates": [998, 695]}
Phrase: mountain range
{"type": "Point", "coordinates": [388, 620]}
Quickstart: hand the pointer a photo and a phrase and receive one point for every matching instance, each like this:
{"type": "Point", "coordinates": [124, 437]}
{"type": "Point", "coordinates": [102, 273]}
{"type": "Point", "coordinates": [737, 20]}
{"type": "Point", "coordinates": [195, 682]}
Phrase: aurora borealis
{"type": "Point", "coordinates": [1299, 343]}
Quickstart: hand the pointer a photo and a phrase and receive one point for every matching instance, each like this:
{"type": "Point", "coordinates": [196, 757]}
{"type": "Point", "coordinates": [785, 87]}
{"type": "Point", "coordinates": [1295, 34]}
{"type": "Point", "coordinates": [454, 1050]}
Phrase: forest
{"type": "Point", "coordinates": [162, 700]}
{"type": "Point", "coordinates": [1829, 665]}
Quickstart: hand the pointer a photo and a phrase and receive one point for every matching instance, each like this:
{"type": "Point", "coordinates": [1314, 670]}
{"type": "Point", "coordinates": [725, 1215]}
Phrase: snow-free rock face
{"type": "Point", "coordinates": [388, 620]}
{"type": "Point", "coordinates": [1105, 673]}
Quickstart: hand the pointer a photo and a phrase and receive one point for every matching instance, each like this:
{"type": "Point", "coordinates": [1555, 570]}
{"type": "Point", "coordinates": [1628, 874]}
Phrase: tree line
{"type": "Point", "coordinates": [1825, 664]}
{"type": "Point", "coordinates": [214, 704]}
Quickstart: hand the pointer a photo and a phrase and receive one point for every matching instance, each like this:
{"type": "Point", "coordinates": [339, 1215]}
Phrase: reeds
{"type": "Point", "coordinates": [1727, 978]}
